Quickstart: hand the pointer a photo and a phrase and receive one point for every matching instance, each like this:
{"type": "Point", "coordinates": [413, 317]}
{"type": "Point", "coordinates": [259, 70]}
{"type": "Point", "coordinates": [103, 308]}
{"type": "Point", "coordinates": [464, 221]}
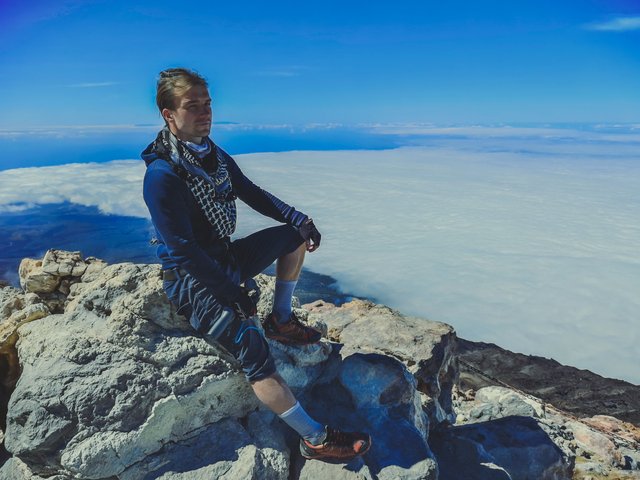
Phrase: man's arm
{"type": "Point", "coordinates": [261, 200]}
{"type": "Point", "coordinates": [164, 194]}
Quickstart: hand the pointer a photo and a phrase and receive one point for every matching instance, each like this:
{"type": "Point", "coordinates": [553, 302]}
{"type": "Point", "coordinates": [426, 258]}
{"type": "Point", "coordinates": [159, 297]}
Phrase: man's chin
{"type": "Point", "coordinates": [204, 131]}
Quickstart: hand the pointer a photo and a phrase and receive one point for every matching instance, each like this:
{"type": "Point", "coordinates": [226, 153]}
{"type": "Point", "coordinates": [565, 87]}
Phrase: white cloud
{"type": "Point", "coordinates": [527, 242]}
{"type": "Point", "coordinates": [16, 207]}
{"type": "Point", "coordinates": [618, 24]}
{"type": "Point", "coordinates": [114, 187]}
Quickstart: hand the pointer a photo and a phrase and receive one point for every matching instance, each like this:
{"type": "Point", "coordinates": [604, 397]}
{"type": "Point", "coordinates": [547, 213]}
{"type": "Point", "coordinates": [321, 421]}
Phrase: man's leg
{"type": "Point", "coordinates": [288, 269]}
{"type": "Point", "coordinates": [247, 345]}
{"type": "Point", "coordinates": [251, 349]}
{"type": "Point", "coordinates": [288, 266]}
{"type": "Point", "coordinates": [256, 252]}
{"type": "Point", "coordinates": [275, 394]}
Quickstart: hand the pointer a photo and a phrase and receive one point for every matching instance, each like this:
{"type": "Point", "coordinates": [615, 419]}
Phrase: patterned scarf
{"type": "Point", "coordinates": [213, 191]}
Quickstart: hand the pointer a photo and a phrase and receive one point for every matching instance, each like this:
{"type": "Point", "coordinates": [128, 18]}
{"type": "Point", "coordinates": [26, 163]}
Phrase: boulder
{"type": "Point", "coordinates": [116, 378]}
{"type": "Point", "coordinates": [425, 347]}
{"type": "Point", "coordinates": [94, 267]}
{"type": "Point", "coordinates": [62, 263]}
{"type": "Point", "coordinates": [596, 444]}
{"type": "Point", "coordinates": [34, 279]}
{"type": "Point", "coordinates": [375, 394]}
{"type": "Point", "coordinates": [492, 403]}
{"type": "Point", "coordinates": [116, 384]}
{"type": "Point", "coordinates": [226, 450]}
{"type": "Point", "coordinates": [16, 309]}
{"type": "Point", "coordinates": [16, 469]}
{"type": "Point", "coordinates": [517, 445]}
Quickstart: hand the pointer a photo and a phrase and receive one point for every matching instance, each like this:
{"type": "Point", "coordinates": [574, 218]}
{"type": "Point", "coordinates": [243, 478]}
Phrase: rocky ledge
{"type": "Point", "coordinates": [101, 379]}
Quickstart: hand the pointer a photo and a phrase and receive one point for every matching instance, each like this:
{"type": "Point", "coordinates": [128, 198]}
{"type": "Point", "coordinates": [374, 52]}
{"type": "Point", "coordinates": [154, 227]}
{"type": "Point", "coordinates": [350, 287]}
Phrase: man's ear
{"type": "Point", "coordinates": [167, 115]}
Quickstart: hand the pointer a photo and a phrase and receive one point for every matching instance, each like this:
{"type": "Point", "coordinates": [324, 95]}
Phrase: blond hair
{"type": "Point", "coordinates": [173, 83]}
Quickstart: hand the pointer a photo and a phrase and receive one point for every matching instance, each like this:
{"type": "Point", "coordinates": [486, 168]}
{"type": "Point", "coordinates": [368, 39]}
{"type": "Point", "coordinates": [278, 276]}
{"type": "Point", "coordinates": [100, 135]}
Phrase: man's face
{"type": "Point", "coordinates": [191, 120]}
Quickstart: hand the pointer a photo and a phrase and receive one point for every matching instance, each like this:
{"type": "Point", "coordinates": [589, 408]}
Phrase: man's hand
{"type": "Point", "coordinates": [244, 305]}
{"type": "Point", "coordinates": [311, 235]}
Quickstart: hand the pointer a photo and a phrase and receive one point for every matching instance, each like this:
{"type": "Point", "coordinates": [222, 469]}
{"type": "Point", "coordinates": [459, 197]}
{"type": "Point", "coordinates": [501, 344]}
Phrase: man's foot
{"type": "Point", "coordinates": [292, 333]}
{"type": "Point", "coordinates": [344, 445]}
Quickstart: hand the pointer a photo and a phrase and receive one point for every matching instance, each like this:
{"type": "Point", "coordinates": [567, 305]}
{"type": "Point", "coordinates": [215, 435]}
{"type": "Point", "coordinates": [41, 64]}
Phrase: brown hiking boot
{"type": "Point", "coordinates": [343, 445]}
{"type": "Point", "coordinates": [291, 333]}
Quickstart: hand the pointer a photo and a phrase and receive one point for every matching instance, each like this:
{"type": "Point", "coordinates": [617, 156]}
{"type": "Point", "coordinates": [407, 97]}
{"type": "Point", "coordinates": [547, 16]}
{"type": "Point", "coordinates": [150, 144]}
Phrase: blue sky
{"type": "Point", "coordinates": [473, 61]}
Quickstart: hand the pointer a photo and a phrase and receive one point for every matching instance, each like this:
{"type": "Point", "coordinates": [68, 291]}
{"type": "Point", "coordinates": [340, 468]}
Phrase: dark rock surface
{"type": "Point", "coordinates": [580, 392]}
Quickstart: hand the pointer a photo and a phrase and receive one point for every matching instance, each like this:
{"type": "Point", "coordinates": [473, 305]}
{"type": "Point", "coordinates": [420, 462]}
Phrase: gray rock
{"type": "Point", "coordinates": [224, 450]}
{"type": "Point", "coordinates": [118, 385]}
{"type": "Point", "coordinates": [516, 444]}
{"type": "Point", "coordinates": [115, 379]}
{"type": "Point", "coordinates": [424, 346]}
{"type": "Point", "coordinates": [16, 469]}
{"type": "Point", "coordinates": [492, 403]}
{"type": "Point", "coordinates": [16, 309]}
{"type": "Point", "coordinates": [462, 458]}
{"type": "Point", "coordinates": [375, 394]}
{"type": "Point", "coordinates": [94, 267]}
{"type": "Point", "coordinates": [34, 279]}
{"type": "Point", "coordinates": [62, 263]}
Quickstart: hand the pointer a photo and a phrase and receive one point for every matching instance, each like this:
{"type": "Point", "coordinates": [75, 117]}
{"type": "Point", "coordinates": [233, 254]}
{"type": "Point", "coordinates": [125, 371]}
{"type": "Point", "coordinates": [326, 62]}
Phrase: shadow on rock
{"type": "Point", "coordinates": [375, 394]}
{"type": "Point", "coordinates": [508, 448]}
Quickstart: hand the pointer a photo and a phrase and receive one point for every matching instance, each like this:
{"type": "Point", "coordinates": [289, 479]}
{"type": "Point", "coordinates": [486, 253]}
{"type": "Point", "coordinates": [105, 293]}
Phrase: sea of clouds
{"type": "Point", "coordinates": [527, 238]}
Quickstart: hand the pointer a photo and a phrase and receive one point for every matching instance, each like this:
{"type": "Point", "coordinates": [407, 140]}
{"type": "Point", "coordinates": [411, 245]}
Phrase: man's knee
{"type": "Point", "coordinates": [248, 345]}
{"type": "Point", "coordinates": [295, 242]}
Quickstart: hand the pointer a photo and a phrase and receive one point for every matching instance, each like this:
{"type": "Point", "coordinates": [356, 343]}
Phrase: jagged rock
{"type": "Point", "coordinates": [94, 267]}
{"type": "Point", "coordinates": [34, 279]}
{"type": "Point", "coordinates": [596, 444]}
{"type": "Point", "coordinates": [16, 309]}
{"type": "Point", "coordinates": [516, 444]}
{"type": "Point", "coordinates": [376, 394]}
{"type": "Point", "coordinates": [612, 425]}
{"type": "Point", "coordinates": [497, 402]}
{"type": "Point", "coordinates": [601, 445]}
{"type": "Point", "coordinates": [424, 346]}
{"type": "Point", "coordinates": [119, 386]}
{"type": "Point", "coordinates": [224, 450]}
{"type": "Point", "coordinates": [385, 393]}
{"type": "Point", "coordinates": [16, 469]}
{"type": "Point", "coordinates": [62, 263]}
{"type": "Point", "coordinates": [115, 379]}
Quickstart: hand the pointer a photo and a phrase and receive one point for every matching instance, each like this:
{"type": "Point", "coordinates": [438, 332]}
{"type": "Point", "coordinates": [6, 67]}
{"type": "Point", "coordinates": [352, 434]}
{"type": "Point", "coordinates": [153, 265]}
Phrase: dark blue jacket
{"type": "Point", "coordinates": [186, 238]}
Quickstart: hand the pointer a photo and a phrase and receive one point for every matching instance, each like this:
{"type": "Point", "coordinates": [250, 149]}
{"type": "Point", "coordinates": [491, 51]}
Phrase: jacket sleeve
{"type": "Point", "coordinates": [166, 197]}
{"type": "Point", "coordinates": [261, 200]}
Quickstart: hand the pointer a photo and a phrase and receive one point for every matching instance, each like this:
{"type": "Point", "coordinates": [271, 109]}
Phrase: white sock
{"type": "Point", "coordinates": [301, 422]}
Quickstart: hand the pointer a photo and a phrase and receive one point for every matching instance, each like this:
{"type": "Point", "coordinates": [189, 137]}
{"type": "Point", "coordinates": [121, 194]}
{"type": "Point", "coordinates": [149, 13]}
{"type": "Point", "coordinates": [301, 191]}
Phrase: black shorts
{"type": "Point", "coordinates": [247, 257]}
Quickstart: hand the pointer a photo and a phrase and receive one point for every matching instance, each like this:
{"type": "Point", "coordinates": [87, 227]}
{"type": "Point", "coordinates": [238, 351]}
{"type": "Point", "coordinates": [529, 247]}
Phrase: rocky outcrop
{"type": "Point", "coordinates": [426, 348]}
{"type": "Point", "coordinates": [599, 446]}
{"type": "Point", "coordinates": [116, 385]}
{"type": "Point", "coordinates": [16, 309]}
{"type": "Point", "coordinates": [106, 381]}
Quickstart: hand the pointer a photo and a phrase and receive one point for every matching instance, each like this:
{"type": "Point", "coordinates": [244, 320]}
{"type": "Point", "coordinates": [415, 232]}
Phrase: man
{"type": "Point", "coordinates": [190, 188]}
